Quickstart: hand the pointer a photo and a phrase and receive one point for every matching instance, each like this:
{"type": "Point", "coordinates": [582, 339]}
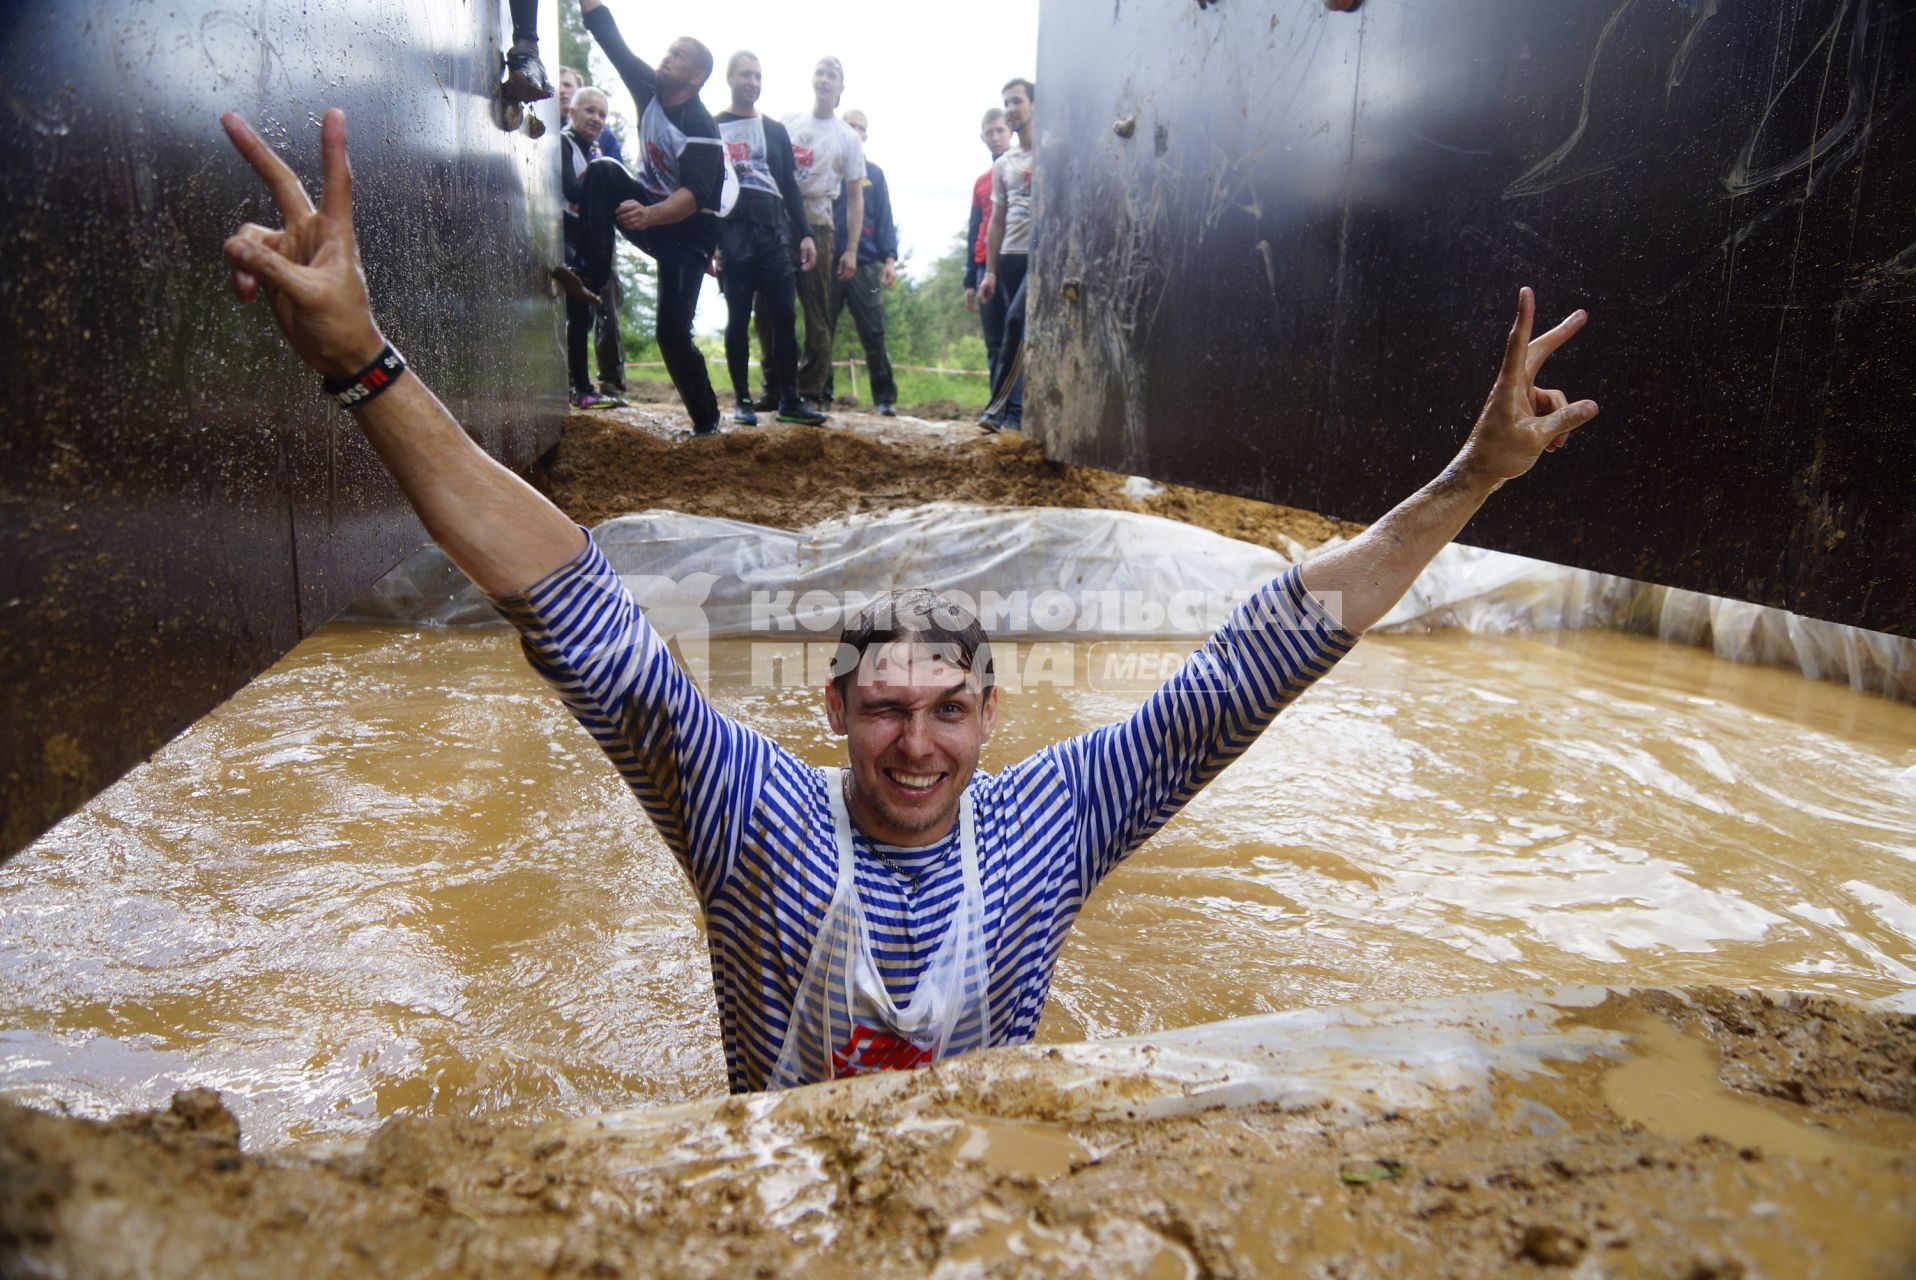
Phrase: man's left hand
{"type": "Point", "coordinates": [889, 276]}
{"type": "Point", "coordinates": [1521, 420]}
{"type": "Point", "coordinates": [848, 264]}
{"type": "Point", "coordinates": [807, 254]}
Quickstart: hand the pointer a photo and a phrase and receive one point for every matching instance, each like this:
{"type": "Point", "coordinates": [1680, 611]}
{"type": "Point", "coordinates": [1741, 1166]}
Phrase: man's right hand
{"type": "Point", "coordinates": [309, 269]}
{"type": "Point", "coordinates": [988, 287]}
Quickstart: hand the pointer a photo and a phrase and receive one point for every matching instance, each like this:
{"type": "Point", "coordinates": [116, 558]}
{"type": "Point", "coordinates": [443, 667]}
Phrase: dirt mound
{"type": "Point", "coordinates": [929, 1173]}
{"type": "Point", "coordinates": [620, 461]}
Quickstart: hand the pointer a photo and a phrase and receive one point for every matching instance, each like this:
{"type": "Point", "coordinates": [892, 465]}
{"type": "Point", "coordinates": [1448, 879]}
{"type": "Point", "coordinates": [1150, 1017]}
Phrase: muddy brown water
{"type": "Point", "coordinates": [392, 878]}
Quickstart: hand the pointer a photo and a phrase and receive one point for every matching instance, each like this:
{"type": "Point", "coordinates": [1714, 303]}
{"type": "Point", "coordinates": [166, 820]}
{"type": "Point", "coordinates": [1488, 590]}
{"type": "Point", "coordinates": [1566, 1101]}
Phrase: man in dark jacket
{"type": "Point", "coordinates": [877, 271]}
{"type": "Point", "coordinates": [669, 208]}
{"type": "Point", "coordinates": [766, 234]}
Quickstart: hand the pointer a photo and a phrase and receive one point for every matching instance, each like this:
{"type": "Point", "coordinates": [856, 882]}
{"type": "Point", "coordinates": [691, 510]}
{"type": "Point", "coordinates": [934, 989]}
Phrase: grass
{"type": "Point", "coordinates": [969, 391]}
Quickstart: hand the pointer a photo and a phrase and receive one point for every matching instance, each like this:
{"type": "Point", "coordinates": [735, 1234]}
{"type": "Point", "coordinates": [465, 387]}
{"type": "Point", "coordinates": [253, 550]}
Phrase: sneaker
{"type": "Point", "coordinates": [573, 286]}
{"type": "Point", "coordinates": [709, 429]}
{"type": "Point", "coordinates": [885, 409]}
{"type": "Point", "coordinates": [801, 413]}
{"type": "Point", "coordinates": [991, 422]}
{"type": "Point", "coordinates": [525, 75]}
{"type": "Point", "coordinates": [743, 415]}
{"type": "Point", "coordinates": [612, 399]}
{"type": "Point", "coordinates": [592, 400]}
{"type": "Point", "coordinates": [766, 402]}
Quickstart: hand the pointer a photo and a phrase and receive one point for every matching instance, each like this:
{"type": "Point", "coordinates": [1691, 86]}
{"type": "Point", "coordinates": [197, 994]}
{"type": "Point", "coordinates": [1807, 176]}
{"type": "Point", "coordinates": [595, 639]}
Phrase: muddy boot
{"type": "Point", "coordinates": [802, 413]}
{"type": "Point", "coordinates": [525, 74]}
{"type": "Point", "coordinates": [573, 287]}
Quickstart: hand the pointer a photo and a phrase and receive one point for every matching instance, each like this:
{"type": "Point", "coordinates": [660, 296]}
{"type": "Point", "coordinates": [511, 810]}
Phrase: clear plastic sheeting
{"type": "Point", "coordinates": [1028, 571]}
{"type": "Point", "coordinates": [1067, 573]}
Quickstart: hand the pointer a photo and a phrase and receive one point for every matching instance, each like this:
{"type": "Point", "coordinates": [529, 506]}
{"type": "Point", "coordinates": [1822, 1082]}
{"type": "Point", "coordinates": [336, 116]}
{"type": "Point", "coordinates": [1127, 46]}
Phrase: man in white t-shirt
{"type": "Point", "coordinates": [1007, 253]}
{"type": "Point", "coordinates": [828, 156]}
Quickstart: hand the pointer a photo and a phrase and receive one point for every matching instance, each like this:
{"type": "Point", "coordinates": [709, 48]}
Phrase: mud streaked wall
{"type": "Point", "coordinates": [1292, 278]}
{"type": "Point", "coordinates": [178, 506]}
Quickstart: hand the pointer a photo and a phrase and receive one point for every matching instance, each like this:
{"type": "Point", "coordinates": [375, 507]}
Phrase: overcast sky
{"type": "Point", "coordinates": [923, 73]}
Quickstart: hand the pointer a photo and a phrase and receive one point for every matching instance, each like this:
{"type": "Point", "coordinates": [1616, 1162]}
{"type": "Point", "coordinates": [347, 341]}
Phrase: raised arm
{"type": "Point", "coordinates": [694, 770]}
{"type": "Point", "coordinates": [640, 79]}
{"type": "Point", "coordinates": [1129, 778]}
{"type": "Point", "coordinates": [491, 523]}
{"type": "Point", "coordinates": [1361, 580]}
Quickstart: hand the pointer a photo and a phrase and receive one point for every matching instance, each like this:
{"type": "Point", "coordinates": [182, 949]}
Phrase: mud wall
{"type": "Point", "coordinates": [178, 505]}
{"type": "Point", "coordinates": [1279, 248]}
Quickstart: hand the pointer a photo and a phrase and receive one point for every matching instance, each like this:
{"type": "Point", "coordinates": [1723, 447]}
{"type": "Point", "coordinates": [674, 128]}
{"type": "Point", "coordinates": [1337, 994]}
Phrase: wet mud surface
{"type": "Point", "coordinates": [1736, 1136]}
{"type": "Point", "coordinates": [613, 462]}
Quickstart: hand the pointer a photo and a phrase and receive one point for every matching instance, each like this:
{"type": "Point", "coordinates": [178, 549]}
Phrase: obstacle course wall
{"type": "Point", "coordinates": [178, 505]}
{"type": "Point", "coordinates": [1280, 247]}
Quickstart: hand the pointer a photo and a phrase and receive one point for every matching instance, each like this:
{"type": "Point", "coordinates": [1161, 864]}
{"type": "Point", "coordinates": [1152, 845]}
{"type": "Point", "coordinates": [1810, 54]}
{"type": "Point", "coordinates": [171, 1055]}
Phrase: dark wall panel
{"type": "Point", "coordinates": [1292, 279]}
{"type": "Point", "coordinates": [178, 506]}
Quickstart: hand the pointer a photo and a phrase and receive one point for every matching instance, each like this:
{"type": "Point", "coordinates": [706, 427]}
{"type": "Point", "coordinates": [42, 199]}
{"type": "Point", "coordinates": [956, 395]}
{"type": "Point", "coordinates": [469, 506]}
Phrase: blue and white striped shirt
{"type": "Point", "coordinates": [752, 824]}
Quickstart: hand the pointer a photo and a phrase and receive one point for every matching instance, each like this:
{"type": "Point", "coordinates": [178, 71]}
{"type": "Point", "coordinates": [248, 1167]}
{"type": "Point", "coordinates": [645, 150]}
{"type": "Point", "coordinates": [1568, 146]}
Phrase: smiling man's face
{"type": "Point", "coordinates": [914, 725]}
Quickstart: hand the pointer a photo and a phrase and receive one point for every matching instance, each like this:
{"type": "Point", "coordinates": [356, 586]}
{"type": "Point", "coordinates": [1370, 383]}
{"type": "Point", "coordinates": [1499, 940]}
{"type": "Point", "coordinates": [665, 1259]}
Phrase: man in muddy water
{"type": "Point", "coordinates": [909, 907]}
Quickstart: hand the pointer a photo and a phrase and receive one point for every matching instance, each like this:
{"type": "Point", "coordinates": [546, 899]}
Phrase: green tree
{"type": "Point", "coordinates": [575, 43]}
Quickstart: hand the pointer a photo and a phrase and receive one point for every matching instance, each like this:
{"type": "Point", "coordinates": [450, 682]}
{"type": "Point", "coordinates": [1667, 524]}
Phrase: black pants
{"type": "Point", "coordinates": [578, 321]}
{"type": "Point", "coordinates": [991, 318]}
{"type": "Point", "coordinates": [865, 295]}
{"type": "Point", "coordinates": [758, 261]}
{"type": "Point", "coordinates": [682, 253]}
{"type": "Point", "coordinates": [1011, 286]}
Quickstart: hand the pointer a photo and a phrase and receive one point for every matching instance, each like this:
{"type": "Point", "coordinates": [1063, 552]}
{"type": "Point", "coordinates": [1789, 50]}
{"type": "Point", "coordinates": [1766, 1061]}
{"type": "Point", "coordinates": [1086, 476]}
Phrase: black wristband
{"type": "Point", "coordinates": [355, 391]}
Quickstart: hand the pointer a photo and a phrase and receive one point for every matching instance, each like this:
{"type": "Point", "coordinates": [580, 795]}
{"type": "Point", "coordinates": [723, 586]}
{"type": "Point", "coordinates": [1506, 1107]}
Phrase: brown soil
{"type": "Point", "coordinates": [614, 462]}
{"type": "Point", "coordinates": [968, 1169]}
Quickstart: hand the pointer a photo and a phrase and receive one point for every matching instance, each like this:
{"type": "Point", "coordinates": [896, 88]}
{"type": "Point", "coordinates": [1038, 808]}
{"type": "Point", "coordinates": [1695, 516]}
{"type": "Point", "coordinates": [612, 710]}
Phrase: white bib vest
{"type": "Point", "coordinates": [662, 142]}
{"type": "Point", "coordinates": [844, 1021]}
{"type": "Point", "coordinates": [745, 148]}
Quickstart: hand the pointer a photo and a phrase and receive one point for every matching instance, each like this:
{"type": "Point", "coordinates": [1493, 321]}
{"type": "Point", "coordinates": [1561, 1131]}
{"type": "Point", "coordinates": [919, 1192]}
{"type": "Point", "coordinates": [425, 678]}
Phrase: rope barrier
{"type": "Point", "coordinates": [847, 364]}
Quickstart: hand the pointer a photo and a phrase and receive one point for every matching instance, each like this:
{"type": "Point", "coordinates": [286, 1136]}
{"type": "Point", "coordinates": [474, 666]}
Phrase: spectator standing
{"type": "Point", "coordinates": [608, 342]}
{"type": "Point", "coordinates": [668, 209]}
{"type": "Point", "coordinates": [1007, 257]}
{"type": "Point", "coordinates": [996, 136]}
{"type": "Point", "coordinates": [765, 241]}
{"type": "Point", "coordinates": [579, 147]}
{"type": "Point", "coordinates": [828, 157]}
{"type": "Point", "coordinates": [877, 256]}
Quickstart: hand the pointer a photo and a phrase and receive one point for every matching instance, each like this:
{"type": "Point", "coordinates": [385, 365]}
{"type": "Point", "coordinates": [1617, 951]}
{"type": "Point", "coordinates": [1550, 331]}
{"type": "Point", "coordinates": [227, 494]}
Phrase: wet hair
{"type": "Point", "coordinates": [995, 114]}
{"type": "Point", "coordinates": [838, 69]}
{"type": "Point", "coordinates": [701, 58]}
{"type": "Point", "coordinates": [1031, 90]}
{"type": "Point", "coordinates": [731, 64]}
{"type": "Point", "coordinates": [924, 617]}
